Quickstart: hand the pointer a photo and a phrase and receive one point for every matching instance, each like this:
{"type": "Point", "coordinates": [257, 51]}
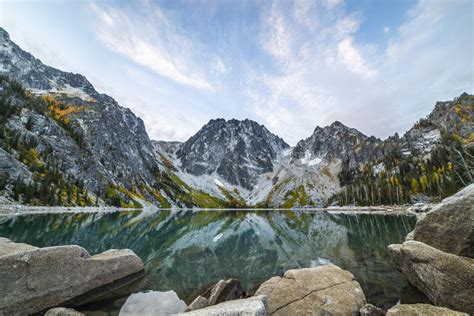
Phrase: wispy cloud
{"type": "Point", "coordinates": [150, 41]}
{"type": "Point", "coordinates": [321, 73]}
{"type": "Point", "coordinates": [351, 57]}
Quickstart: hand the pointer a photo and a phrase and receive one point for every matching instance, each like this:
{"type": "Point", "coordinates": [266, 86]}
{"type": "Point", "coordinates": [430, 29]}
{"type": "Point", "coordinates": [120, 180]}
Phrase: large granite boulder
{"type": "Point", "coordinates": [449, 226]}
{"type": "Point", "coordinates": [446, 279]}
{"type": "Point", "coordinates": [421, 310]}
{"type": "Point", "coordinates": [253, 306]}
{"type": "Point", "coordinates": [37, 279]}
{"type": "Point", "coordinates": [313, 291]}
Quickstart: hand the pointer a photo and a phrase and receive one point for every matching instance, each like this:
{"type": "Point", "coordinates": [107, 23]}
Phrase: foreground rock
{"type": "Point", "coordinates": [320, 290]}
{"type": "Point", "coordinates": [449, 226]}
{"type": "Point", "coordinates": [421, 310]}
{"type": "Point", "coordinates": [153, 303]}
{"type": "Point", "coordinates": [253, 306]}
{"type": "Point", "coordinates": [222, 291]}
{"type": "Point", "coordinates": [61, 311]}
{"type": "Point", "coordinates": [447, 280]}
{"type": "Point", "coordinates": [371, 310]}
{"type": "Point", "coordinates": [37, 279]}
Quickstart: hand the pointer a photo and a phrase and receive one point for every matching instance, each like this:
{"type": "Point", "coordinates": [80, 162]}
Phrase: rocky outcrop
{"type": "Point", "coordinates": [449, 226]}
{"type": "Point", "coordinates": [253, 306]}
{"type": "Point", "coordinates": [321, 290]}
{"type": "Point", "coordinates": [153, 303]}
{"type": "Point", "coordinates": [37, 279]}
{"type": "Point", "coordinates": [421, 310]}
{"type": "Point", "coordinates": [446, 279]}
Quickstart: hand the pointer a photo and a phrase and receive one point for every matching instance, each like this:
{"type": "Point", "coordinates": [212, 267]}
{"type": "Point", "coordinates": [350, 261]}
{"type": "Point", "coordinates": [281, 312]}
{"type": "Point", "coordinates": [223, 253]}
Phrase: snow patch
{"type": "Point", "coordinates": [306, 160]}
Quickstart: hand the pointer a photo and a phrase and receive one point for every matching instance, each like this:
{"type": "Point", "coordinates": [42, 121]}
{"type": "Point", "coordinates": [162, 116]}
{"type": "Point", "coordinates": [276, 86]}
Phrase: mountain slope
{"type": "Point", "coordinates": [63, 143]}
{"type": "Point", "coordinates": [95, 145]}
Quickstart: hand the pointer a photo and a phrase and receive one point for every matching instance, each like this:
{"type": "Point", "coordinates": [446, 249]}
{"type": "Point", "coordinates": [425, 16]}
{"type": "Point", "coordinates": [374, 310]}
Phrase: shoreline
{"type": "Point", "coordinates": [18, 209]}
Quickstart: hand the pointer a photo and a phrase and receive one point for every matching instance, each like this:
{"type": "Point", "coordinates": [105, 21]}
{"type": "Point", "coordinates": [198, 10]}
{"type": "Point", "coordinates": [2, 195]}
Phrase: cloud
{"type": "Point", "coordinates": [321, 72]}
{"type": "Point", "coordinates": [277, 36]}
{"type": "Point", "coordinates": [151, 42]}
{"type": "Point", "coordinates": [352, 58]}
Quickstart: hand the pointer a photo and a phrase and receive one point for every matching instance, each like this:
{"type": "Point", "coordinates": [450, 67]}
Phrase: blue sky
{"type": "Point", "coordinates": [376, 65]}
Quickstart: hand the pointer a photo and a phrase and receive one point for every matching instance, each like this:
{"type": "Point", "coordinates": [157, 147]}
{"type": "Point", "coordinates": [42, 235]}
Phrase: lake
{"type": "Point", "coordinates": [188, 250]}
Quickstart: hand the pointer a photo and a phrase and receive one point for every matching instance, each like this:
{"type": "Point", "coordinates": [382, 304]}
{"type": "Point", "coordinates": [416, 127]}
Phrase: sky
{"type": "Point", "coordinates": [375, 65]}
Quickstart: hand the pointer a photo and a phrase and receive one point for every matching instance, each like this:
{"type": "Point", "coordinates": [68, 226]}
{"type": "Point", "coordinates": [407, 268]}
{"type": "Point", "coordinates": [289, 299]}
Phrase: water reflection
{"type": "Point", "coordinates": [187, 250]}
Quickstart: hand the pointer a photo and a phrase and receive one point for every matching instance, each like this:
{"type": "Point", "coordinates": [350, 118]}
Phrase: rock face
{"type": "Point", "coordinates": [238, 151]}
{"type": "Point", "coordinates": [450, 225]}
{"type": "Point", "coordinates": [153, 304]}
{"type": "Point", "coordinates": [114, 147]}
{"type": "Point", "coordinates": [421, 310]}
{"type": "Point", "coordinates": [447, 280]}
{"type": "Point", "coordinates": [314, 291]}
{"type": "Point", "coordinates": [338, 141]}
{"type": "Point", "coordinates": [253, 306]}
{"type": "Point", "coordinates": [36, 279]}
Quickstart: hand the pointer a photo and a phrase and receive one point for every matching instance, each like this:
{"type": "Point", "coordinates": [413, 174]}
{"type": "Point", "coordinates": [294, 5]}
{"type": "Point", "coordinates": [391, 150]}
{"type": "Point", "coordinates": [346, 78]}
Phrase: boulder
{"type": "Point", "coordinates": [198, 303]}
{"type": "Point", "coordinates": [153, 303]}
{"type": "Point", "coordinates": [449, 226]}
{"type": "Point", "coordinates": [446, 279]}
{"type": "Point", "coordinates": [421, 310]}
{"type": "Point", "coordinates": [322, 290]}
{"type": "Point", "coordinates": [371, 310]}
{"type": "Point", "coordinates": [37, 279]}
{"type": "Point", "coordinates": [252, 306]}
{"type": "Point", "coordinates": [62, 311]}
{"type": "Point", "coordinates": [224, 290]}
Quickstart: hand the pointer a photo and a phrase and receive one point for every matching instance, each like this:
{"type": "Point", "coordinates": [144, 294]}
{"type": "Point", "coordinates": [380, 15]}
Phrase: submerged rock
{"type": "Point", "coordinates": [253, 306]}
{"type": "Point", "coordinates": [421, 310]}
{"type": "Point", "coordinates": [62, 311]}
{"type": "Point", "coordinates": [153, 303]}
{"type": "Point", "coordinates": [449, 226]}
{"type": "Point", "coordinates": [37, 279]}
{"type": "Point", "coordinates": [446, 279]}
{"type": "Point", "coordinates": [323, 290]}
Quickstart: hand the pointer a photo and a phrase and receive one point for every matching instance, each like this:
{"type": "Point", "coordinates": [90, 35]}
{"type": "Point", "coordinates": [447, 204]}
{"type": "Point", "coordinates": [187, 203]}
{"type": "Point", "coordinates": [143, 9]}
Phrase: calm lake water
{"type": "Point", "coordinates": [188, 250]}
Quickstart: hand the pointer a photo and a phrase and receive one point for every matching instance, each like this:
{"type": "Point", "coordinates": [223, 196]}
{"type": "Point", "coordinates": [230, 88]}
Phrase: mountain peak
{"type": "Point", "coordinates": [236, 150]}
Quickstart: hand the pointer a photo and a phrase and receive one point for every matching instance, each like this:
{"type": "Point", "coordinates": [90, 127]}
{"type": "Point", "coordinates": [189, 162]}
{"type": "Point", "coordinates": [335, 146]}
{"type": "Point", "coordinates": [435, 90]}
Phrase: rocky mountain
{"type": "Point", "coordinates": [237, 151]}
{"type": "Point", "coordinates": [63, 143]}
{"type": "Point", "coordinates": [88, 136]}
{"type": "Point", "coordinates": [338, 141]}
